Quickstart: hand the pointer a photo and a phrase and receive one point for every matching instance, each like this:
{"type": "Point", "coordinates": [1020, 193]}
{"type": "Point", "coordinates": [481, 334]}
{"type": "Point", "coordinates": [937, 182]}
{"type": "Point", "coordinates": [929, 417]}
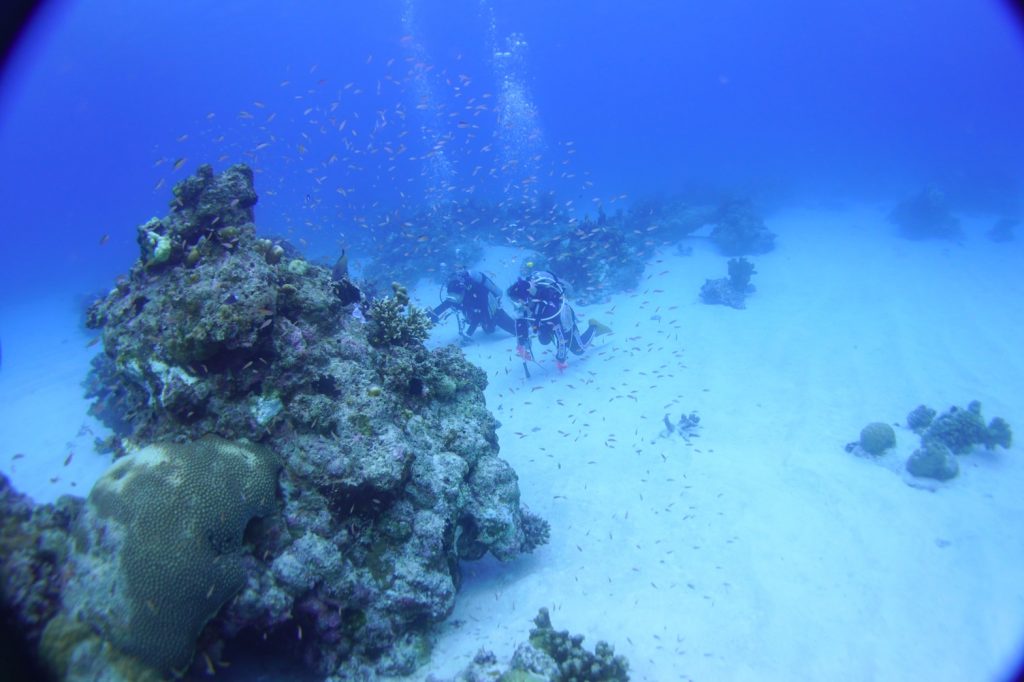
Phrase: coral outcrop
{"type": "Point", "coordinates": [549, 656]}
{"type": "Point", "coordinates": [732, 290]}
{"type": "Point", "coordinates": [961, 429]}
{"type": "Point", "coordinates": [33, 553]}
{"type": "Point", "coordinates": [739, 230]}
{"type": "Point", "coordinates": [943, 437]}
{"type": "Point", "coordinates": [926, 215]}
{"type": "Point", "coordinates": [220, 342]}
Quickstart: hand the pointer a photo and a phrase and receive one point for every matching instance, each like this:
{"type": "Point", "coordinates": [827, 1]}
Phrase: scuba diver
{"type": "Point", "coordinates": [544, 310]}
{"type": "Point", "coordinates": [476, 301]}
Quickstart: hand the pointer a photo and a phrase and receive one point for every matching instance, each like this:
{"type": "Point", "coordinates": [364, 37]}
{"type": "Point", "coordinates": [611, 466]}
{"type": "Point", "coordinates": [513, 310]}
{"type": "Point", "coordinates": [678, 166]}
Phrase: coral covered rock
{"type": "Point", "coordinates": [732, 290]}
{"type": "Point", "coordinates": [961, 429]}
{"type": "Point", "coordinates": [572, 660]}
{"type": "Point", "coordinates": [740, 230]}
{"type": "Point", "coordinates": [390, 476]}
{"type": "Point", "coordinates": [34, 546]}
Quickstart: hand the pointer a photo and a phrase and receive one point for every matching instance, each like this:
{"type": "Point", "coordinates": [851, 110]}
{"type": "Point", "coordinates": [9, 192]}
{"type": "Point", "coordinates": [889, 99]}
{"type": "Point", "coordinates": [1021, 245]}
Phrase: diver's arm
{"type": "Point", "coordinates": [445, 306]}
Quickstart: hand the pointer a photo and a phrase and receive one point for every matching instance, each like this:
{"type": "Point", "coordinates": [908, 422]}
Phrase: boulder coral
{"type": "Point", "coordinates": [877, 437]}
{"type": "Point", "coordinates": [159, 546]}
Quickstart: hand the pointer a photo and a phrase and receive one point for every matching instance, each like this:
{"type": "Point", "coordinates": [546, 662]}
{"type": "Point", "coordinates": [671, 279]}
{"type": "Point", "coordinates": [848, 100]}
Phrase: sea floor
{"type": "Point", "coordinates": [755, 548]}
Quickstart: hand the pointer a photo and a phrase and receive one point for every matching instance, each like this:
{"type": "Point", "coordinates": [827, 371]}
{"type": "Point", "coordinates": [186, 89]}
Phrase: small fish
{"type": "Point", "coordinates": [104, 239]}
{"type": "Point", "coordinates": [67, 460]}
{"type": "Point", "coordinates": [18, 455]}
{"type": "Point", "coordinates": [210, 670]}
{"type": "Point", "coordinates": [179, 163]}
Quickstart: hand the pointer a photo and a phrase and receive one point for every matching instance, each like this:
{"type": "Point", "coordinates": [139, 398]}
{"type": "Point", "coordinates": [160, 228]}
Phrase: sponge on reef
{"type": "Point", "coordinates": [160, 544]}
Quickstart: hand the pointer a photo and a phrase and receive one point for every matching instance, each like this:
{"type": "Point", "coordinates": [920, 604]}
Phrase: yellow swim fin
{"type": "Point", "coordinates": [599, 328]}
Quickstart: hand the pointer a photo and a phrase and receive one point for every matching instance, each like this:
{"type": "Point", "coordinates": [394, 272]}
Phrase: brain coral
{"type": "Point", "coordinates": [161, 544]}
{"type": "Point", "coordinates": [877, 437]}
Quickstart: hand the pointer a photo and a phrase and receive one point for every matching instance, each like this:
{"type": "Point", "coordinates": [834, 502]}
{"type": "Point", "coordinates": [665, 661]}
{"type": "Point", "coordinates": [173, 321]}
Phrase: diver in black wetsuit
{"type": "Point", "coordinates": [544, 310]}
{"type": "Point", "coordinates": [477, 302]}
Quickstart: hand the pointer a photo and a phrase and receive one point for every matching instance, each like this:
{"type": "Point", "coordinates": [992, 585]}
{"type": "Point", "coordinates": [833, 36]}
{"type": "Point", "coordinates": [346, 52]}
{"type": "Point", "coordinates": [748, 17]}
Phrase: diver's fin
{"type": "Point", "coordinates": [599, 328]}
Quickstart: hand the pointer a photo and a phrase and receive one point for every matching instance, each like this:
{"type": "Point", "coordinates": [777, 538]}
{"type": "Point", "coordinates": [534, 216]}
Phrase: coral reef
{"type": "Point", "coordinates": [961, 429]}
{"type": "Point", "coordinates": [933, 460]}
{"type": "Point", "coordinates": [390, 474]}
{"type": "Point", "coordinates": [739, 230]}
{"type": "Point", "coordinates": [393, 321]}
{"type": "Point", "coordinates": [732, 290]}
{"type": "Point", "coordinates": [877, 437]}
{"type": "Point", "coordinates": [594, 258]}
{"type": "Point", "coordinates": [572, 660]}
{"type": "Point", "coordinates": [955, 432]}
{"type": "Point", "coordinates": [549, 656]}
{"type": "Point", "coordinates": [926, 216]}
{"type": "Point", "coordinates": [920, 418]}
{"type": "Point", "coordinates": [33, 551]}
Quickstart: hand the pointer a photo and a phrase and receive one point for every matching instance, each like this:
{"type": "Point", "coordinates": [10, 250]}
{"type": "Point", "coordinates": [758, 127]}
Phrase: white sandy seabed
{"type": "Point", "coordinates": [757, 549]}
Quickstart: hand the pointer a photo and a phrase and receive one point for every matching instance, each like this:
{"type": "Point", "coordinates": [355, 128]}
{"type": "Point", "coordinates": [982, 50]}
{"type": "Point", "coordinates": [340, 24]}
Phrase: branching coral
{"type": "Point", "coordinates": [393, 322]}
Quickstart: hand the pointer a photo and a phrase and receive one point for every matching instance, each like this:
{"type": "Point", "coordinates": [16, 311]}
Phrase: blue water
{"type": "Point", "coordinates": [803, 101]}
{"type": "Point", "coordinates": [355, 115]}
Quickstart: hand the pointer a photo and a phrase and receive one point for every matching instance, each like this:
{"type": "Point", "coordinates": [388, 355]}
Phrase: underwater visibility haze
{"type": "Point", "coordinates": [407, 339]}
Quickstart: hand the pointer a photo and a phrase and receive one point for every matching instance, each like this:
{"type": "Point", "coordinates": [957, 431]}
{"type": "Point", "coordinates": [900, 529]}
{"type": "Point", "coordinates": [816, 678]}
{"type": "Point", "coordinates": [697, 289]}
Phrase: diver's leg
{"type": "Point", "coordinates": [588, 335]}
{"type": "Point", "coordinates": [544, 334]}
{"type": "Point", "coordinates": [488, 323]}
